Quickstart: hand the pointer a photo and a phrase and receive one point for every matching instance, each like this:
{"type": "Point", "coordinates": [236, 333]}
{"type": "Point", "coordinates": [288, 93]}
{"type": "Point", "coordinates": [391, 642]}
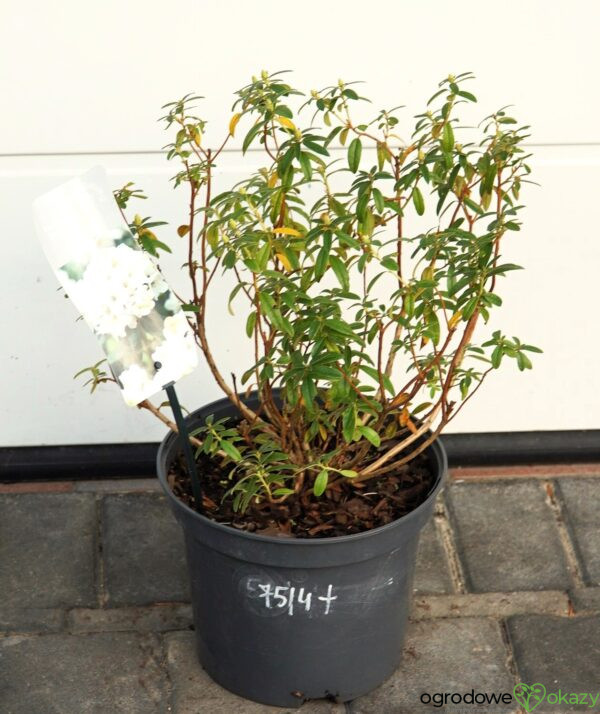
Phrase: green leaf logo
{"type": "Point", "coordinates": [529, 696]}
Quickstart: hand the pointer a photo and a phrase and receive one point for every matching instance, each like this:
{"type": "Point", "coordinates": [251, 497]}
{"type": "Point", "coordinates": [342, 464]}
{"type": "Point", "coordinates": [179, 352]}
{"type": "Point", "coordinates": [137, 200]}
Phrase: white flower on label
{"type": "Point", "coordinates": [172, 303]}
{"type": "Point", "coordinates": [116, 289]}
{"type": "Point", "coordinates": [135, 381]}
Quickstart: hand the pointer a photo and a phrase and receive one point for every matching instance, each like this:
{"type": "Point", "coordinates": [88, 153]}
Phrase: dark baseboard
{"type": "Point", "coordinates": [99, 461]}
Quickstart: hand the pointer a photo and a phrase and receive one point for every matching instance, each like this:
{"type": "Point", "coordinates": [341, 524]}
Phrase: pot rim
{"type": "Point", "coordinates": [440, 459]}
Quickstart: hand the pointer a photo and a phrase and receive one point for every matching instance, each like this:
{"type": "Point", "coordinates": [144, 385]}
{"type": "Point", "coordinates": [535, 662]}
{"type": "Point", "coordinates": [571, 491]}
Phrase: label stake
{"type": "Point", "coordinates": [187, 447]}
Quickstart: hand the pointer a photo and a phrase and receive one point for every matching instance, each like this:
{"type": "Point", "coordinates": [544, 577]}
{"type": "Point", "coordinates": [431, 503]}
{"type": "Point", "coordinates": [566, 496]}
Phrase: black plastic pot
{"type": "Point", "coordinates": [283, 620]}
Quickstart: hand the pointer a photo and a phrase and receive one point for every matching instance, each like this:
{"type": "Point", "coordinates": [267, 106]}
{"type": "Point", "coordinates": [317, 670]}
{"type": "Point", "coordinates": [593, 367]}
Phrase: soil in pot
{"type": "Point", "coordinates": [344, 509]}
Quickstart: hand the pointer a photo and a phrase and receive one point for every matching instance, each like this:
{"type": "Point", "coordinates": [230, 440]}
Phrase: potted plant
{"type": "Point", "coordinates": [363, 263]}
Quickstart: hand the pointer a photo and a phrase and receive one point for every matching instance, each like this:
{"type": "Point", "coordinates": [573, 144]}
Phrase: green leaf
{"type": "Point", "coordinates": [320, 483]}
{"type": "Point", "coordinates": [523, 361]}
{"type": "Point", "coordinates": [306, 165]}
{"type": "Point", "coordinates": [341, 272]}
{"type": "Point", "coordinates": [283, 491]}
{"type": "Point", "coordinates": [231, 451]}
{"type": "Point", "coordinates": [390, 263]}
{"type": "Point", "coordinates": [378, 200]}
{"type": "Point", "coordinates": [369, 434]}
{"type": "Point", "coordinates": [499, 269]}
{"type": "Point", "coordinates": [250, 323]}
{"type": "Point", "coordinates": [418, 201]}
{"type": "Point", "coordinates": [467, 95]}
{"type": "Point", "coordinates": [250, 136]}
{"type": "Point", "coordinates": [469, 203]}
{"type": "Point", "coordinates": [317, 148]}
{"type": "Point", "coordinates": [276, 318]}
{"type": "Point", "coordinates": [309, 392]}
{"type": "Point", "coordinates": [354, 154]}
{"type": "Point", "coordinates": [349, 473]}
{"type": "Point", "coordinates": [339, 326]}
{"type": "Point", "coordinates": [497, 355]}
{"type": "Point", "coordinates": [323, 257]}
{"type": "Point", "coordinates": [262, 256]}
{"type": "Point", "coordinates": [372, 372]}
{"type": "Point", "coordinates": [349, 424]}
{"type": "Point", "coordinates": [447, 137]}
{"type": "Point", "coordinates": [433, 326]}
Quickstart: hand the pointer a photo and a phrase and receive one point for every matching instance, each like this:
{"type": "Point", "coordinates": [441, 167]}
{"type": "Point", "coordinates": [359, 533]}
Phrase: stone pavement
{"type": "Point", "coordinates": [94, 613]}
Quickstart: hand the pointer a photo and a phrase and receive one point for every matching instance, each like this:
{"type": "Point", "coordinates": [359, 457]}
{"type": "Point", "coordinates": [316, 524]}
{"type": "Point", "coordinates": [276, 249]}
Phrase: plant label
{"type": "Point", "coordinates": [115, 285]}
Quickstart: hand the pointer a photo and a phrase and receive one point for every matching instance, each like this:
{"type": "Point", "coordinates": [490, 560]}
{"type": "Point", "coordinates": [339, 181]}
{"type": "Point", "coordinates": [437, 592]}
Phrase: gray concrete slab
{"type": "Point", "coordinates": [432, 574]}
{"type": "Point", "coordinates": [17, 620]}
{"type": "Point", "coordinates": [506, 537]}
{"type": "Point", "coordinates": [143, 548]}
{"type": "Point", "coordinates": [108, 673]}
{"type": "Point", "coordinates": [581, 497]}
{"type": "Point", "coordinates": [445, 657]}
{"type": "Point", "coordinates": [47, 550]}
{"type": "Point", "coordinates": [559, 653]}
{"type": "Point", "coordinates": [586, 599]}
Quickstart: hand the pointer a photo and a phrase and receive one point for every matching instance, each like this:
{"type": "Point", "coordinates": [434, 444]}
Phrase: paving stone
{"type": "Point", "coordinates": [506, 537]}
{"type": "Point", "coordinates": [194, 692]}
{"type": "Point", "coordinates": [47, 550]}
{"type": "Point", "coordinates": [432, 574]}
{"type": "Point", "coordinates": [552, 602]}
{"type": "Point", "coordinates": [32, 619]}
{"type": "Point", "coordinates": [586, 599]}
{"type": "Point", "coordinates": [157, 618]}
{"type": "Point", "coordinates": [559, 653]}
{"type": "Point", "coordinates": [581, 498]}
{"type": "Point", "coordinates": [144, 554]}
{"type": "Point", "coordinates": [109, 673]}
{"type": "Point", "coordinates": [445, 656]}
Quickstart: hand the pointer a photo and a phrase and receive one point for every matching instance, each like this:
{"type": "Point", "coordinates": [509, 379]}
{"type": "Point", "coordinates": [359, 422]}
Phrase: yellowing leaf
{"type": "Point", "coordinates": [411, 426]}
{"type": "Point", "coordinates": [455, 319]}
{"type": "Point", "coordinates": [183, 230]}
{"type": "Point", "coordinates": [287, 123]}
{"type": "Point", "coordinates": [285, 262]}
{"type": "Point", "coordinates": [401, 398]}
{"type": "Point", "coordinates": [273, 178]}
{"type": "Point", "coordinates": [233, 123]}
{"type": "Point", "coordinates": [197, 136]}
{"type": "Point", "coordinates": [287, 231]}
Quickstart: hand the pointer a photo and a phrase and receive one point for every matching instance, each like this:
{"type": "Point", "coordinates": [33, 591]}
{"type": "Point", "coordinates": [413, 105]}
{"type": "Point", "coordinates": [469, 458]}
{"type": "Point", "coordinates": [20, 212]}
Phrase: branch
{"type": "Point", "coordinates": [400, 446]}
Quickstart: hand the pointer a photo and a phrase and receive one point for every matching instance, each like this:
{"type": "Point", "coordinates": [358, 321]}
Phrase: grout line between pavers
{"type": "Point", "coordinates": [511, 660]}
{"type": "Point", "coordinates": [167, 671]}
{"type": "Point", "coordinates": [573, 562]}
{"type": "Point", "coordinates": [99, 552]}
{"type": "Point", "coordinates": [446, 532]}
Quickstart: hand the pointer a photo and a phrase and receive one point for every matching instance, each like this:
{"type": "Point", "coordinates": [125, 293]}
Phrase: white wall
{"type": "Point", "coordinates": [82, 83]}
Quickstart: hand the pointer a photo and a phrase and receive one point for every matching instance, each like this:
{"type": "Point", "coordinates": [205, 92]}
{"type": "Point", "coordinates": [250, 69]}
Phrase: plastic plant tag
{"type": "Point", "coordinates": [115, 285]}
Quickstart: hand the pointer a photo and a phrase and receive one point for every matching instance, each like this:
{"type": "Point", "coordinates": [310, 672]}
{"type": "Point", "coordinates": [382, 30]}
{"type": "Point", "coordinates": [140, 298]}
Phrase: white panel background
{"type": "Point", "coordinates": [82, 83]}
